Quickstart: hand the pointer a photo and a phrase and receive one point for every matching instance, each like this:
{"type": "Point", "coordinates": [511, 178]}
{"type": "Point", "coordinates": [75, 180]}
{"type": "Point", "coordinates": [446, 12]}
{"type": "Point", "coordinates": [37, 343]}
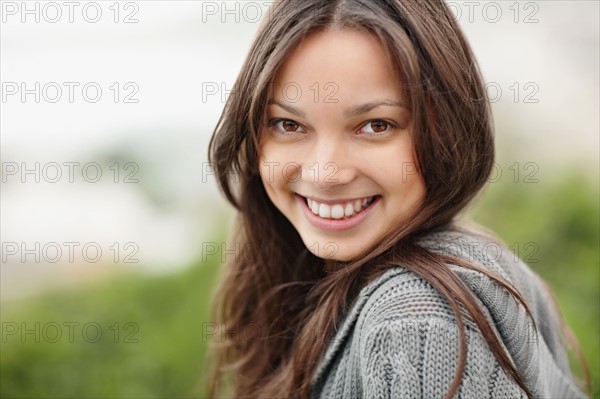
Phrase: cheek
{"type": "Point", "coordinates": [270, 169]}
{"type": "Point", "coordinates": [267, 175]}
{"type": "Point", "coordinates": [392, 167]}
{"type": "Point", "coordinates": [276, 167]}
{"type": "Point", "coordinates": [265, 159]}
{"type": "Point", "coordinates": [409, 192]}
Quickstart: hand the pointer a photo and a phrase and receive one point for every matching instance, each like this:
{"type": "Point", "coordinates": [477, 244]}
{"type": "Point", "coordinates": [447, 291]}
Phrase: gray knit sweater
{"type": "Point", "coordinates": [400, 336]}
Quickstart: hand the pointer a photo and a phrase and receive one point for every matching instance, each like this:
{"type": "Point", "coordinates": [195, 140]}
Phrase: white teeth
{"type": "Point", "coordinates": [324, 211]}
{"type": "Point", "coordinates": [349, 210]}
{"type": "Point", "coordinates": [337, 211]}
{"type": "Point", "coordinates": [314, 207]}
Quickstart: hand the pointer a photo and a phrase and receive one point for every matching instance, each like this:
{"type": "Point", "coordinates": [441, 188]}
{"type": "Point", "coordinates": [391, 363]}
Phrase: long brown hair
{"type": "Point", "coordinates": [274, 298]}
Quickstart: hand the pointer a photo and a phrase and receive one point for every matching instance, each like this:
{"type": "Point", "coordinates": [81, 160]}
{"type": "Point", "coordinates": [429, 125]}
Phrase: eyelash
{"type": "Point", "coordinates": [390, 125]}
{"type": "Point", "coordinates": [274, 122]}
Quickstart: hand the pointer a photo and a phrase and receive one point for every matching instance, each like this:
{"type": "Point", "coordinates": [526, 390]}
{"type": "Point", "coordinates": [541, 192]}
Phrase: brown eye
{"type": "Point", "coordinates": [286, 126]}
{"type": "Point", "coordinates": [376, 127]}
{"type": "Point", "coordinates": [289, 126]}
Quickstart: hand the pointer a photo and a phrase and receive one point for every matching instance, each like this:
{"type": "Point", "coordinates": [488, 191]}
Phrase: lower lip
{"type": "Point", "coordinates": [335, 224]}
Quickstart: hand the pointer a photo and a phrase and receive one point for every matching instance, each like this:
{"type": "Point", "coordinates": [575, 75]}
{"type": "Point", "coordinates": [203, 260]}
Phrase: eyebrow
{"type": "Point", "coordinates": [350, 112]}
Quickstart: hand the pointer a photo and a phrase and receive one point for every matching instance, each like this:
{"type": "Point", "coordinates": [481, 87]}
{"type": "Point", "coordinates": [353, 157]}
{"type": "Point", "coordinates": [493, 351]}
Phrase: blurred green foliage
{"type": "Point", "coordinates": [554, 227]}
{"type": "Point", "coordinates": [158, 354]}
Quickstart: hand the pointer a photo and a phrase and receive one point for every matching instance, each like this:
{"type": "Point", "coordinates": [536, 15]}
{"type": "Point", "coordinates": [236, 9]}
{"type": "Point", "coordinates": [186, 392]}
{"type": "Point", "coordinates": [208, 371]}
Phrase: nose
{"type": "Point", "coordinates": [328, 163]}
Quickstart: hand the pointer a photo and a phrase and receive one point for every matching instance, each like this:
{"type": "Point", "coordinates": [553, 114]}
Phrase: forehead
{"type": "Point", "coordinates": [352, 61]}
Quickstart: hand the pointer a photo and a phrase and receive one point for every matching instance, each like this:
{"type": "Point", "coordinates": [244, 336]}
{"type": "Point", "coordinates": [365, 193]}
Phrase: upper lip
{"type": "Point", "coordinates": [335, 201]}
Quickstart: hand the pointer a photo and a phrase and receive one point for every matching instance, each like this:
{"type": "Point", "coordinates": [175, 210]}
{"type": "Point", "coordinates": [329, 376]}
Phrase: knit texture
{"type": "Point", "coordinates": [400, 336]}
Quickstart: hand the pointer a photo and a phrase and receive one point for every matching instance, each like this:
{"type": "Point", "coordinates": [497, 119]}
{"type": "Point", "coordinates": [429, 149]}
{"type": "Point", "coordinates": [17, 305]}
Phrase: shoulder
{"type": "Point", "coordinates": [407, 335]}
{"type": "Point", "coordinates": [400, 338]}
{"type": "Point", "coordinates": [401, 298]}
{"type": "Point", "coordinates": [401, 293]}
{"type": "Point", "coordinates": [407, 342]}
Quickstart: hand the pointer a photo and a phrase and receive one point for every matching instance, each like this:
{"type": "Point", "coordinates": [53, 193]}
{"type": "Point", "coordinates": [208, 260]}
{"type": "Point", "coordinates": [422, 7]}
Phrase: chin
{"type": "Point", "coordinates": [332, 250]}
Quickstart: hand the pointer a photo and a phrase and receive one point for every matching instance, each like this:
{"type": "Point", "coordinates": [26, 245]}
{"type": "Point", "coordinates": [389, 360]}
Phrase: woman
{"type": "Point", "coordinates": [356, 133]}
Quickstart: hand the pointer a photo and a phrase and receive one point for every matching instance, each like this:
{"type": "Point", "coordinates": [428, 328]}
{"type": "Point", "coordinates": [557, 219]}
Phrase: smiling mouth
{"type": "Point", "coordinates": [341, 210]}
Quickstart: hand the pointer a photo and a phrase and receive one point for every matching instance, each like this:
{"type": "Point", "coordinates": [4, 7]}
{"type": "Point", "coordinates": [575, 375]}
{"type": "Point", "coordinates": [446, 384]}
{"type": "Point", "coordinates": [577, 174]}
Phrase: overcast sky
{"type": "Point", "coordinates": [137, 73]}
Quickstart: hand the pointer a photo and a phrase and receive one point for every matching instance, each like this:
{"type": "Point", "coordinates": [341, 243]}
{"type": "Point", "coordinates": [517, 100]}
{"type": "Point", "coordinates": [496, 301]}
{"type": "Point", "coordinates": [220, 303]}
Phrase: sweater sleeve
{"type": "Point", "coordinates": [417, 358]}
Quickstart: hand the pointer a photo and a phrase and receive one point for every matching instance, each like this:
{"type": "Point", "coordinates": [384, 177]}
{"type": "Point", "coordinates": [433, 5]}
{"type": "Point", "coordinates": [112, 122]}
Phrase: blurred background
{"type": "Point", "coordinates": [113, 231]}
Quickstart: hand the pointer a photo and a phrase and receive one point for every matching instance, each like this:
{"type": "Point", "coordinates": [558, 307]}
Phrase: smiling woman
{"type": "Point", "coordinates": [362, 136]}
{"type": "Point", "coordinates": [356, 133]}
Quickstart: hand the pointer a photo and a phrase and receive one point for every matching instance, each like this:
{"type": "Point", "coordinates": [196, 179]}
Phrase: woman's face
{"type": "Point", "coordinates": [336, 149]}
